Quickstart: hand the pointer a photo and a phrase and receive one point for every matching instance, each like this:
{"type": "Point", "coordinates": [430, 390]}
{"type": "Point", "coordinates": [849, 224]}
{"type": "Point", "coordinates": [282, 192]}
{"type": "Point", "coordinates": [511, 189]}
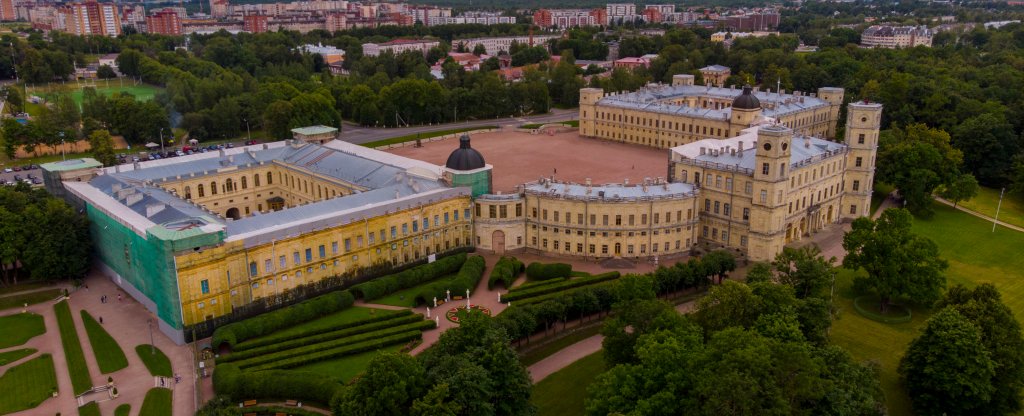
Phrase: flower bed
{"type": "Point", "coordinates": [456, 314]}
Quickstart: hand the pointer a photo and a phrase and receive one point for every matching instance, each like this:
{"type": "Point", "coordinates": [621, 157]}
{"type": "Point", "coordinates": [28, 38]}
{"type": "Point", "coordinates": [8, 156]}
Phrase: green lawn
{"type": "Point", "coordinates": [27, 385]}
{"type": "Point", "coordinates": [91, 409]}
{"type": "Point", "coordinates": [562, 393]}
{"type": "Point", "coordinates": [879, 194]}
{"type": "Point", "coordinates": [572, 123]}
{"type": "Point", "coordinates": [536, 354]}
{"type": "Point", "coordinates": [975, 255]}
{"type": "Point", "coordinates": [109, 355]}
{"type": "Point", "coordinates": [81, 381]}
{"type": "Point", "coordinates": [17, 329]}
{"type": "Point", "coordinates": [346, 368]}
{"type": "Point", "coordinates": [123, 410]}
{"type": "Point", "coordinates": [1011, 212]}
{"type": "Point", "coordinates": [405, 297]}
{"type": "Point", "coordinates": [425, 135]}
{"type": "Point", "coordinates": [155, 360]}
{"type": "Point", "coordinates": [11, 356]}
{"type": "Point", "coordinates": [338, 318]}
{"type": "Point", "coordinates": [142, 92]}
{"type": "Point", "coordinates": [21, 287]}
{"type": "Point", "coordinates": [156, 403]}
{"type": "Point", "coordinates": [33, 298]}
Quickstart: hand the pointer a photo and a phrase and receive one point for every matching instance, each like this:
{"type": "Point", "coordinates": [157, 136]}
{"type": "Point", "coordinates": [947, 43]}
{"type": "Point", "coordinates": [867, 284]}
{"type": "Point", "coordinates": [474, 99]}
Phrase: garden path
{"type": "Point", "coordinates": [49, 342]}
{"type": "Point", "coordinates": [980, 215]}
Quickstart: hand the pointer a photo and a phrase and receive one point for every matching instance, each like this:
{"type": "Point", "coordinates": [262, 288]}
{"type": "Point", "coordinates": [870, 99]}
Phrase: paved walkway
{"type": "Point", "coordinates": [561, 359]}
{"type": "Point", "coordinates": [126, 321]}
{"type": "Point", "coordinates": [980, 215]}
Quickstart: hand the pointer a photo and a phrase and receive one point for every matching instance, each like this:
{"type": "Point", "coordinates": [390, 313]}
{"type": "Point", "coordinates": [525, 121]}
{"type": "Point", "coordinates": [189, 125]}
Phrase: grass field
{"type": "Point", "coordinates": [81, 381]}
{"type": "Point", "coordinates": [33, 298]}
{"type": "Point", "coordinates": [27, 385]}
{"type": "Point", "coordinates": [21, 287]}
{"type": "Point", "coordinates": [1011, 212]}
{"type": "Point", "coordinates": [562, 393]}
{"type": "Point", "coordinates": [534, 355]}
{"type": "Point", "coordinates": [155, 360]}
{"type": "Point", "coordinates": [91, 409]}
{"type": "Point", "coordinates": [346, 368]}
{"type": "Point", "coordinates": [425, 135]}
{"type": "Point", "coordinates": [19, 328]}
{"type": "Point", "coordinates": [123, 410]}
{"type": "Point", "coordinates": [11, 356]}
{"type": "Point", "coordinates": [338, 318]}
{"type": "Point", "coordinates": [142, 92]}
{"type": "Point", "coordinates": [405, 297]}
{"type": "Point", "coordinates": [975, 255]}
{"type": "Point", "coordinates": [156, 403]}
{"type": "Point", "coordinates": [109, 355]}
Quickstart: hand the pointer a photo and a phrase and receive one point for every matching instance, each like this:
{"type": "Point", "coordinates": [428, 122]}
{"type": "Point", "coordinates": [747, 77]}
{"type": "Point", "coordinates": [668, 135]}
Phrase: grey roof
{"type": "Point", "coordinates": [380, 182]}
{"type": "Point", "coordinates": [611, 191]}
{"type": "Point", "coordinates": [314, 130]}
{"type": "Point", "coordinates": [802, 148]}
{"type": "Point", "coordinates": [465, 157]}
{"type": "Point", "coordinates": [716, 67]}
{"type": "Point", "coordinates": [654, 98]}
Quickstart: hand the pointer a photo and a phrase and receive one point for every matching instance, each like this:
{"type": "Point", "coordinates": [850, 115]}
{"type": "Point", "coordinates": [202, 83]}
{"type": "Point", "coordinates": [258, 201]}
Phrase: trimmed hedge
{"type": "Point", "coordinates": [566, 285]}
{"type": "Point", "coordinates": [506, 270]}
{"type": "Point", "coordinates": [275, 339]}
{"type": "Point", "coordinates": [531, 285]}
{"type": "Point", "coordinates": [467, 278]}
{"type": "Point", "coordinates": [296, 342]}
{"type": "Point", "coordinates": [566, 292]}
{"type": "Point", "coordinates": [269, 322]}
{"type": "Point", "coordinates": [240, 385]}
{"type": "Point", "coordinates": [386, 285]}
{"type": "Point", "coordinates": [332, 344]}
{"type": "Point", "coordinates": [545, 271]}
{"type": "Point", "coordinates": [371, 345]}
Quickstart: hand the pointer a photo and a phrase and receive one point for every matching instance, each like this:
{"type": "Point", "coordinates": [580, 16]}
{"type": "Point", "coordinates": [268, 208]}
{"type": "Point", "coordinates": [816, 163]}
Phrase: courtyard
{"type": "Point", "coordinates": [520, 157]}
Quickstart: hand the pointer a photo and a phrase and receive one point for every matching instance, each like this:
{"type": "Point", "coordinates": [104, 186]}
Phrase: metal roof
{"type": "Point", "coordinates": [314, 130]}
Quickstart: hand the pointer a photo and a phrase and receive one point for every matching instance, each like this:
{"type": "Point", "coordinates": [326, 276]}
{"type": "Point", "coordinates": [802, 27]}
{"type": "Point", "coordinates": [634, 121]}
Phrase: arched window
{"type": "Point", "coordinates": [270, 179]}
{"type": "Point", "coordinates": [245, 183]}
{"type": "Point", "coordinates": [256, 180]}
{"type": "Point", "coordinates": [188, 192]}
{"type": "Point", "coordinates": [199, 188]}
{"type": "Point", "coordinates": [213, 188]}
{"type": "Point", "coordinates": [229, 185]}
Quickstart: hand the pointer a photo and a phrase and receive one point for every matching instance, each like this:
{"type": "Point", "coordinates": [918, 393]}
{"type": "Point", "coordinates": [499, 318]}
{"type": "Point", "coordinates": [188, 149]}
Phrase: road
{"type": "Point", "coordinates": [358, 134]}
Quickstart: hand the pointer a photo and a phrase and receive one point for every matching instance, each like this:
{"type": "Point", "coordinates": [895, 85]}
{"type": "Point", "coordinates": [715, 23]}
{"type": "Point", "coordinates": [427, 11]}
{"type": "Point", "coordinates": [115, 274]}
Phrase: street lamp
{"type": "Point", "coordinates": [161, 140]}
{"type": "Point", "coordinates": [152, 345]}
{"type": "Point", "coordinates": [62, 155]}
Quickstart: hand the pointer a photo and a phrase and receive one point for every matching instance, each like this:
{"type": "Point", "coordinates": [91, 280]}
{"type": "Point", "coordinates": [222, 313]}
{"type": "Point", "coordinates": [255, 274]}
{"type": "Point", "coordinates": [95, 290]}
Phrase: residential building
{"type": "Point", "coordinates": [89, 18]}
{"type": "Point", "coordinates": [7, 10]}
{"type": "Point", "coordinates": [755, 21]}
{"type": "Point", "coordinates": [504, 43]}
{"type": "Point", "coordinates": [164, 22]}
{"type": "Point", "coordinates": [896, 37]}
{"type": "Point", "coordinates": [398, 46]}
{"type": "Point", "coordinates": [715, 75]}
{"type": "Point", "coordinates": [564, 19]}
{"type": "Point", "coordinates": [255, 23]}
{"type": "Point", "coordinates": [619, 13]}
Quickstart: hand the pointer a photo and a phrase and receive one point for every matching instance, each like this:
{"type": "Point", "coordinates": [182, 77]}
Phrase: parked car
{"type": "Point", "coordinates": [17, 168]}
{"type": "Point", "coordinates": [17, 177]}
{"type": "Point", "coordinates": [8, 170]}
{"type": "Point", "coordinates": [230, 145]}
{"type": "Point", "coordinates": [250, 142]}
{"type": "Point", "coordinates": [37, 181]}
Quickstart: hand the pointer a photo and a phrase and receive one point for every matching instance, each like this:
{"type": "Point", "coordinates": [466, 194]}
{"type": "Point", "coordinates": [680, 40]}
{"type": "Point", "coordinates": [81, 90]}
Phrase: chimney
{"type": "Point", "coordinates": [741, 148]}
{"type": "Point", "coordinates": [807, 142]}
{"type": "Point", "coordinates": [153, 209]}
{"type": "Point", "coordinates": [734, 152]}
{"type": "Point", "coordinates": [702, 151]}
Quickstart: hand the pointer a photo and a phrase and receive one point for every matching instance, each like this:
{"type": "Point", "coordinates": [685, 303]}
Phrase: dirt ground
{"type": "Point", "coordinates": [523, 157]}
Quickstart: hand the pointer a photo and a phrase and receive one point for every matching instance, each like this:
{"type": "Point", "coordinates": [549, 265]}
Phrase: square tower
{"type": "Point", "coordinates": [771, 184]}
{"type": "Point", "coordinates": [862, 125]}
{"type": "Point", "coordinates": [588, 110]}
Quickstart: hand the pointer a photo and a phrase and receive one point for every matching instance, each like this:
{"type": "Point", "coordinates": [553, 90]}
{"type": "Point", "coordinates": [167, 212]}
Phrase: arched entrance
{"type": "Point", "coordinates": [233, 214]}
{"type": "Point", "coordinates": [498, 242]}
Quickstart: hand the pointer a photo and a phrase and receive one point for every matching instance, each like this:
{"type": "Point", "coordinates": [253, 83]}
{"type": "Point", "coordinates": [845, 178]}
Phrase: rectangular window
{"type": "Point", "coordinates": [591, 248]}
{"type": "Point", "coordinates": [309, 255]}
{"type": "Point", "coordinates": [707, 205]}
{"type": "Point", "coordinates": [705, 232]}
{"type": "Point", "coordinates": [743, 241]}
{"type": "Point", "coordinates": [579, 219]}
{"type": "Point", "coordinates": [593, 219]}
{"type": "Point", "coordinates": [334, 246]}
{"type": "Point", "coordinates": [718, 181]}
{"type": "Point", "coordinates": [456, 215]}
{"type": "Point", "coordinates": [764, 196]}
{"type": "Point", "coordinates": [348, 245]}
{"type": "Point", "coordinates": [656, 215]}
{"type": "Point", "coordinates": [252, 269]}
{"type": "Point", "coordinates": [204, 286]}
{"type": "Point", "coordinates": [296, 258]}
{"type": "Point", "coordinates": [466, 213]}
{"type": "Point", "coordinates": [853, 209]}
{"type": "Point", "coordinates": [717, 206]}
{"type": "Point", "coordinates": [281, 261]}
{"type": "Point", "coordinates": [394, 232]}
{"type": "Point", "coordinates": [445, 221]}
{"type": "Point", "coordinates": [725, 236]}
{"type": "Point", "coordinates": [359, 241]}
{"type": "Point", "coordinates": [727, 210]}
{"type": "Point", "coordinates": [860, 138]}
{"type": "Point", "coordinates": [415, 226]}
{"type": "Point", "coordinates": [618, 220]}
{"type": "Point", "coordinates": [748, 188]}
{"type": "Point", "coordinates": [267, 265]}
{"type": "Point", "coordinates": [503, 212]}
{"type": "Point", "coordinates": [764, 168]}
{"type": "Point", "coordinates": [746, 214]}
{"type": "Point", "coordinates": [519, 210]}
{"type": "Point", "coordinates": [604, 220]}
{"type": "Point", "coordinates": [728, 184]}
{"type": "Point", "coordinates": [405, 229]}
{"type": "Point", "coordinates": [426, 223]}
{"type": "Point", "coordinates": [604, 249]}
{"type": "Point", "coordinates": [478, 210]}
{"type": "Point", "coordinates": [632, 219]}
{"type": "Point", "coordinates": [492, 211]}
{"type": "Point", "coordinates": [856, 185]}
{"type": "Point", "coordinates": [858, 161]}
{"type": "Point", "coordinates": [323, 251]}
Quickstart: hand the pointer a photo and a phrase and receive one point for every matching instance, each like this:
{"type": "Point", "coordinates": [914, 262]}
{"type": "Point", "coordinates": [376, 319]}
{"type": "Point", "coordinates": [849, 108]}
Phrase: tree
{"type": "Point", "coordinates": [103, 147]}
{"type": "Point", "coordinates": [947, 369]}
{"type": "Point", "coordinates": [479, 49]}
{"type": "Point", "coordinates": [277, 119]}
{"type": "Point", "coordinates": [1001, 336]}
{"type": "Point", "coordinates": [632, 320]}
{"type": "Point", "coordinates": [989, 144]}
{"type": "Point", "coordinates": [963, 188]}
{"type": "Point", "coordinates": [916, 160]}
{"type": "Point", "coordinates": [390, 385]}
{"type": "Point", "coordinates": [805, 270]}
{"type": "Point", "coordinates": [106, 72]}
{"type": "Point", "coordinates": [14, 99]}
{"type": "Point", "coordinates": [898, 262]}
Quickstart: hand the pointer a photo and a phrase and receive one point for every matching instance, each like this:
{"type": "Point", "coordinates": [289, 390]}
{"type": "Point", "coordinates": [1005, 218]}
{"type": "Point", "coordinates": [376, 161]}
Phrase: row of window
{"type": "Point", "coordinates": [606, 233]}
{"type": "Point", "coordinates": [617, 247]}
{"type": "Point", "coordinates": [606, 219]}
{"type": "Point", "coordinates": [725, 209]}
{"type": "Point", "coordinates": [499, 211]}
{"type": "Point", "coordinates": [722, 236]}
{"type": "Point", "coordinates": [655, 123]}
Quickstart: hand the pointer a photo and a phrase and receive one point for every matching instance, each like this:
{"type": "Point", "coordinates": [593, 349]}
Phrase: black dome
{"type": "Point", "coordinates": [747, 100]}
{"type": "Point", "coordinates": [465, 157]}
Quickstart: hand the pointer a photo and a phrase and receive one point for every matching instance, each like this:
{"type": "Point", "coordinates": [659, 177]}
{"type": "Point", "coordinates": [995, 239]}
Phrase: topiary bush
{"type": "Point", "coordinates": [506, 270]}
{"type": "Point", "coordinates": [386, 285]}
{"type": "Point", "coordinates": [559, 287]}
{"type": "Point", "coordinates": [240, 385]}
{"type": "Point", "coordinates": [383, 321]}
{"type": "Point", "coordinates": [545, 271]}
{"type": "Point", "coordinates": [467, 278]}
{"type": "Point", "coordinates": [304, 311]}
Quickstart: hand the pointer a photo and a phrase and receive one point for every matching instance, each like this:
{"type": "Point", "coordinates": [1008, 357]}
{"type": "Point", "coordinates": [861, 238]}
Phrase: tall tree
{"type": "Point", "coordinates": [963, 188]}
{"type": "Point", "coordinates": [916, 160]}
{"type": "Point", "coordinates": [898, 262]}
{"type": "Point", "coordinates": [989, 144]}
{"type": "Point", "coordinates": [389, 386]}
{"type": "Point", "coordinates": [947, 369]}
{"type": "Point", "coordinates": [103, 147]}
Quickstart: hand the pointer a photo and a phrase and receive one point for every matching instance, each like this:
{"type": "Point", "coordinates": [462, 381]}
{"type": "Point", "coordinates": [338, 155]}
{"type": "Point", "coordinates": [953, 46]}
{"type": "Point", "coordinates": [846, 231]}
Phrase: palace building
{"type": "Point", "coordinates": [195, 237]}
{"type": "Point", "coordinates": [666, 116]}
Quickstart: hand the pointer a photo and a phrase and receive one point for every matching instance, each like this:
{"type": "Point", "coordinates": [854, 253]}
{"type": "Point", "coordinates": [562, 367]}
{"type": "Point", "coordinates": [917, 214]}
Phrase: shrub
{"type": "Point", "coordinates": [274, 339]}
{"type": "Point", "coordinates": [269, 322]}
{"type": "Point", "coordinates": [386, 285]}
{"type": "Point", "coordinates": [346, 350]}
{"type": "Point", "coordinates": [562, 286]}
{"type": "Point", "coordinates": [545, 271]}
{"type": "Point", "coordinates": [297, 341]}
{"type": "Point", "coordinates": [229, 380]}
{"type": "Point", "coordinates": [530, 285]}
{"type": "Point", "coordinates": [506, 270]}
{"type": "Point", "coordinates": [467, 278]}
{"type": "Point", "coordinates": [260, 360]}
{"type": "Point", "coordinates": [524, 319]}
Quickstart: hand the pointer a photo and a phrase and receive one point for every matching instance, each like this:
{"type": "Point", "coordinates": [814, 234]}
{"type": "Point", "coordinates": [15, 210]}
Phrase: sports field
{"type": "Point", "coordinates": [142, 92]}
